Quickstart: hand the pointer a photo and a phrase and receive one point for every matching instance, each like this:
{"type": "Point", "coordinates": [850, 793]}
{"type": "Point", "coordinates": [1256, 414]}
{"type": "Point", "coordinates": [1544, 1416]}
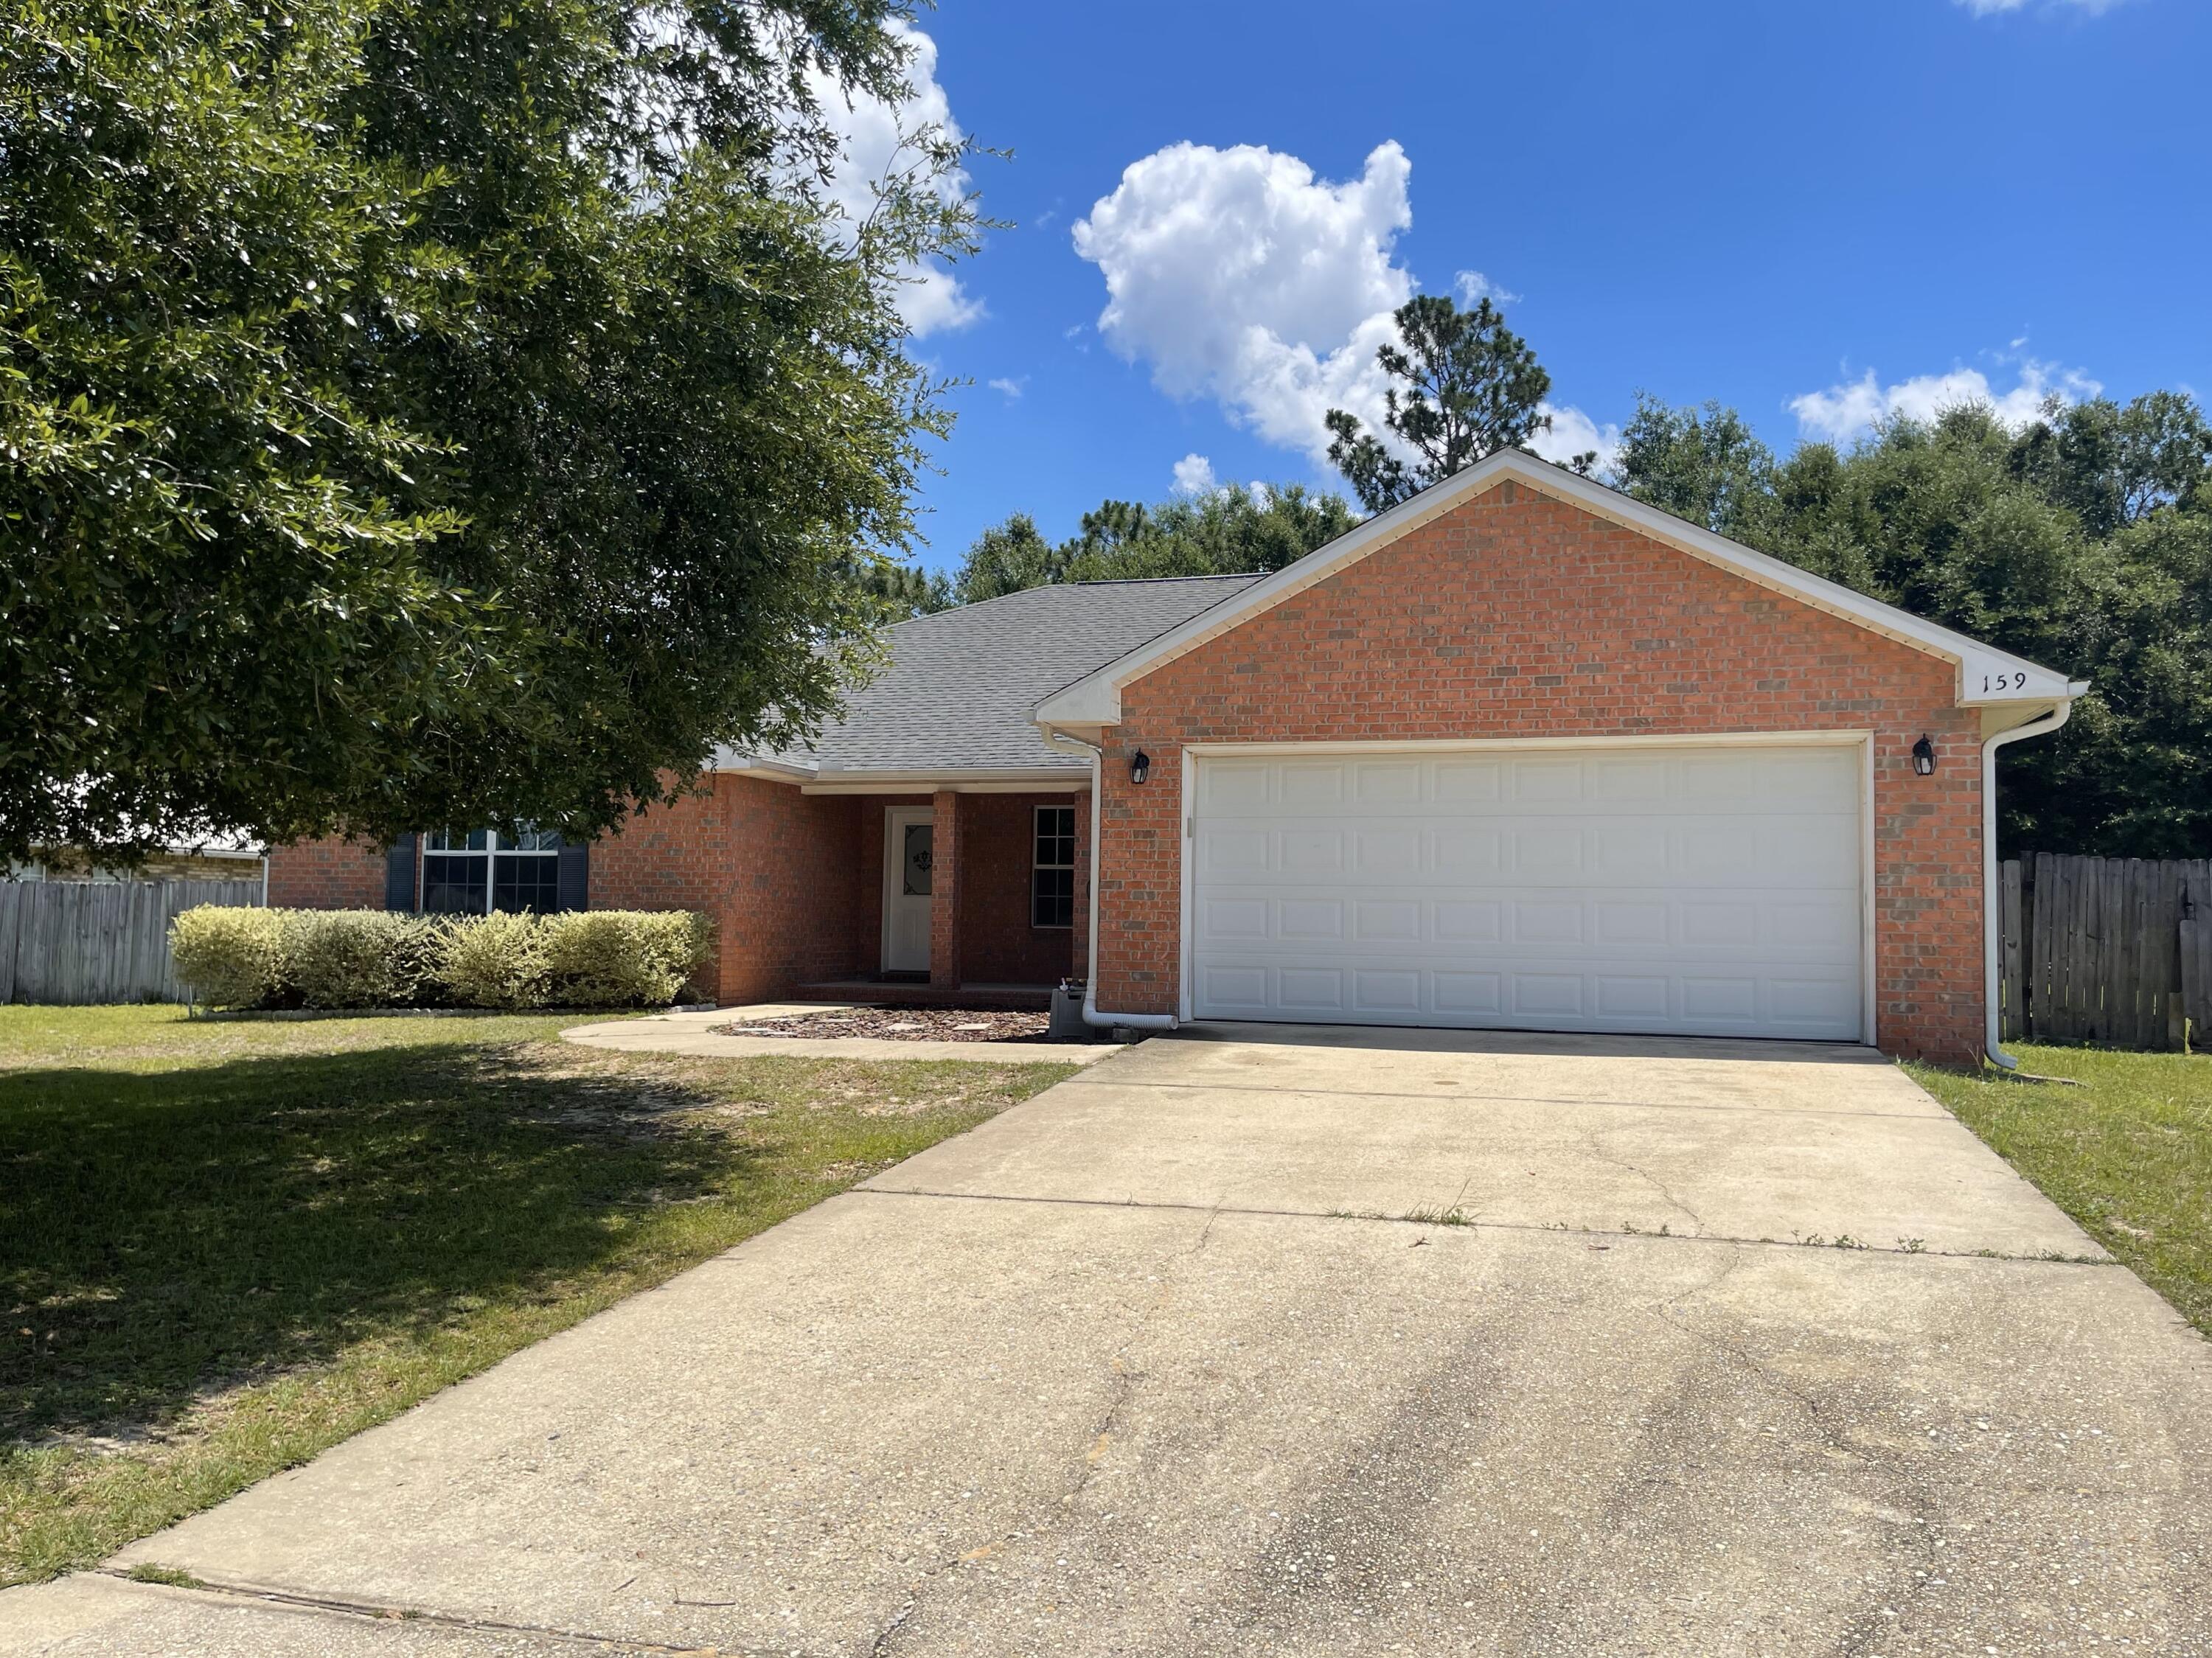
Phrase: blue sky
{"type": "Point", "coordinates": [1761, 201]}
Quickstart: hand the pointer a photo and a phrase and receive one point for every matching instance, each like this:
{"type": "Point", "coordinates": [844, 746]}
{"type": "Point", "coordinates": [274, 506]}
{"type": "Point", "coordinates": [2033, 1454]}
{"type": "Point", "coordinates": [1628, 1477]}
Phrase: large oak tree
{"type": "Point", "coordinates": [417, 412]}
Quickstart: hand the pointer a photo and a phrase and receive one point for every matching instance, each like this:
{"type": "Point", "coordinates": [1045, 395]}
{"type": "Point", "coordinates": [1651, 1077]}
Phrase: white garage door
{"type": "Point", "coordinates": [1692, 890]}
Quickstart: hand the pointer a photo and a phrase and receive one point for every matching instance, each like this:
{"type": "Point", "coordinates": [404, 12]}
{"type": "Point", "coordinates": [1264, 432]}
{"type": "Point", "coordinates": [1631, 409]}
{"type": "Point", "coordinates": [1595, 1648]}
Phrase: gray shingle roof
{"type": "Point", "coordinates": [957, 690]}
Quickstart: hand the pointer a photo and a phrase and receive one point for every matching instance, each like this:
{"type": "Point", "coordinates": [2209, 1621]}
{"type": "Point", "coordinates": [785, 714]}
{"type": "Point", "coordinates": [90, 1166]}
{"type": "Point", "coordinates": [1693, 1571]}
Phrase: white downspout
{"type": "Point", "coordinates": [1992, 941]}
{"type": "Point", "coordinates": [1092, 1015]}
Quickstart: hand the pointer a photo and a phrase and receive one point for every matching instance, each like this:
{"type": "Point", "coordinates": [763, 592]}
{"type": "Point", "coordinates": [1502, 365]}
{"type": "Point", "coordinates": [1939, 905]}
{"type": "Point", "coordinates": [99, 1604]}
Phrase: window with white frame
{"type": "Point", "coordinates": [484, 870]}
{"type": "Point", "coordinates": [1052, 868]}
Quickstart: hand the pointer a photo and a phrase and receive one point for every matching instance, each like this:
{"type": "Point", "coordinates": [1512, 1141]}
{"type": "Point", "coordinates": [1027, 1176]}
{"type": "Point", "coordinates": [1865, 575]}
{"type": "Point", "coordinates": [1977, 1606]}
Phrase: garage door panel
{"type": "Point", "coordinates": [1308, 786]}
{"type": "Point", "coordinates": [1465, 853]}
{"type": "Point", "coordinates": [1386, 991]}
{"type": "Point", "coordinates": [1231, 785]}
{"type": "Point", "coordinates": [1462, 997]}
{"type": "Point", "coordinates": [1310, 989]}
{"type": "Point", "coordinates": [1599, 891]}
{"type": "Point", "coordinates": [1623, 997]}
{"type": "Point", "coordinates": [1394, 783]}
{"type": "Point", "coordinates": [1468, 782]}
{"type": "Point", "coordinates": [1389, 855]}
{"type": "Point", "coordinates": [1547, 995]}
{"type": "Point", "coordinates": [1468, 921]}
{"type": "Point", "coordinates": [1388, 920]}
{"type": "Point", "coordinates": [1548, 850]}
{"type": "Point", "coordinates": [1310, 851]}
{"type": "Point", "coordinates": [1546, 784]}
{"type": "Point", "coordinates": [1229, 853]}
{"type": "Point", "coordinates": [1232, 919]}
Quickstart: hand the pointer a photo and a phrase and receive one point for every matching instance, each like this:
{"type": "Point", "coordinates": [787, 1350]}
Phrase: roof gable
{"type": "Point", "coordinates": [1985, 675]}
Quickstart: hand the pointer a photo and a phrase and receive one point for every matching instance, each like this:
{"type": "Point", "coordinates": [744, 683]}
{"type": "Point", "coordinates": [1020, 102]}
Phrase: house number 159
{"type": "Point", "coordinates": [2004, 682]}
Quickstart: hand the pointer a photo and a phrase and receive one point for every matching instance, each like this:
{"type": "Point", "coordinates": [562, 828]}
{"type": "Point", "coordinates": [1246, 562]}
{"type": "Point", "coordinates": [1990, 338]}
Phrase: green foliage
{"type": "Point", "coordinates": [2084, 541]}
{"type": "Point", "coordinates": [495, 961]}
{"type": "Point", "coordinates": [904, 592]}
{"type": "Point", "coordinates": [1229, 532]}
{"type": "Point", "coordinates": [1467, 385]}
{"type": "Point", "coordinates": [1703, 465]}
{"type": "Point", "coordinates": [229, 958]}
{"type": "Point", "coordinates": [421, 412]}
{"type": "Point", "coordinates": [357, 958]}
{"type": "Point", "coordinates": [367, 958]}
{"type": "Point", "coordinates": [622, 958]}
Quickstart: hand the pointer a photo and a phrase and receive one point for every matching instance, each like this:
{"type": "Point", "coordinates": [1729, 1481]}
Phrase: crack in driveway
{"type": "Point", "coordinates": [1125, 1383]}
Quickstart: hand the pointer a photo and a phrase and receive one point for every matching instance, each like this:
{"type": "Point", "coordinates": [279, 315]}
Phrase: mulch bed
{"type": "Point", "coordinates": [904, 1024]}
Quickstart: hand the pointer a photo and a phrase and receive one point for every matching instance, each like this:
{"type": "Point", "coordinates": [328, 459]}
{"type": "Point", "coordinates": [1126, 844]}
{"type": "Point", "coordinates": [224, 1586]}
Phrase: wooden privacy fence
{"type": "Point", "coordinates": [98, 941]}
{"type": "Point", "coordinates": [2107, 950]}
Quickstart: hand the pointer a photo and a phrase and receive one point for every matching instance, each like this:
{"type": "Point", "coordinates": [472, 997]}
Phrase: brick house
{"type": "Point", "coordinates": [1521, 752]}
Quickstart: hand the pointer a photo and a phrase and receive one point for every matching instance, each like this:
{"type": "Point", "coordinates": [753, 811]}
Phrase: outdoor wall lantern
{"type": "Point", "coordinates": [1924, 757]}
{"type": "Point", "coordinates": [1140, 767]}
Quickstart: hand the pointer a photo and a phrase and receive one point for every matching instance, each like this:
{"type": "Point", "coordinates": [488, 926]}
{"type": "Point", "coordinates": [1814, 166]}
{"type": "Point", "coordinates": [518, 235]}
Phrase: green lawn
{"type": "Point", "coordinates": [225, 1246]}
{"type": "Point", "coordinates": [2128, 1154]}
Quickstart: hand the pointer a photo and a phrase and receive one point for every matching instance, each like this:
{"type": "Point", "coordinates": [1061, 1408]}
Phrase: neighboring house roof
{"type": "Point", "coordinates": [957, 693]}
{"type": "Point", "coordinates": [1986, 676]}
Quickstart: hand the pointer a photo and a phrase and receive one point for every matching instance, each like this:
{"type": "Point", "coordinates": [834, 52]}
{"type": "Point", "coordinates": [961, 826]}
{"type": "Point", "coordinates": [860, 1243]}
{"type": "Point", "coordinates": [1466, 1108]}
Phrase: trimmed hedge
{"type": "Point", "coordinates": [330, 958]}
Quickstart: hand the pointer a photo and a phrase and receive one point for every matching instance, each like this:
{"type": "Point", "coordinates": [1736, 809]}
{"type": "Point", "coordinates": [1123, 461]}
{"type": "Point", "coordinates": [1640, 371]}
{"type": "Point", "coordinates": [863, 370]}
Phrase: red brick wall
{"type": "Point", "coordinates": [947, 870]}
{"type": "Point", "coordinates": [328, 874]}
{"type": "Point", "coordinates": [999, 945]}
{"type": "Point", "coordinates": [772, 867]}
{"type": "Point", "coordinates": [1518, 615]}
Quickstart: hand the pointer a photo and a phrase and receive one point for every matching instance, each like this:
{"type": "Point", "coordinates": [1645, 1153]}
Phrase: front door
{"type": "Point", "coordinates": [908, 832]}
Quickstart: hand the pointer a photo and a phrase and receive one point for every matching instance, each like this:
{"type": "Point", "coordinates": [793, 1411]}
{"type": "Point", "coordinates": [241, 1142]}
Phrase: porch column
{"type": "Point", "coordinates": [945, 891]}
{"type": "Point", "coordinates": [1081, 942]}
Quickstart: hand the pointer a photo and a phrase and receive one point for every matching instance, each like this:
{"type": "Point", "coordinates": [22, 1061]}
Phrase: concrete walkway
{"type": "Point", "coordinates": [701, 1034]}
{"type": "Point", "coordinates": [1264, 1341]}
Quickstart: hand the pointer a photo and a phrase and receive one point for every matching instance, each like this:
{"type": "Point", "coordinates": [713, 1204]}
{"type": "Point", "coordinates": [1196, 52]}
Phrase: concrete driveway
{"type": "Point", "coordinates": [1262, 1340]}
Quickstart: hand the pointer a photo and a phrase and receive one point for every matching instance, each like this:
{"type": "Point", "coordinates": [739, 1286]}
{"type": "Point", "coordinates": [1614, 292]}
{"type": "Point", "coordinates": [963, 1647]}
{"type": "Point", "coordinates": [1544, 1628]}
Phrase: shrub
{"type": "Point", "coordinates": [621, 957]}
{"type": "Point", "coordinates": [229, 957]}
{"type": "Point", "coordinates": [357, 958]}
{"type": "Point", "coordinates": [330, 958]}
{"type": "Point", "coordinates": [494, 960]}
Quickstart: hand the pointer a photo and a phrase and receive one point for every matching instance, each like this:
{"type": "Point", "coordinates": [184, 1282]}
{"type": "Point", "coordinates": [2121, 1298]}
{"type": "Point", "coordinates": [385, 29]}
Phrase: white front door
{"type": "Point", "coordinates": [908, 832]}
{"type": "Point", "coordinates": [1692, 889]}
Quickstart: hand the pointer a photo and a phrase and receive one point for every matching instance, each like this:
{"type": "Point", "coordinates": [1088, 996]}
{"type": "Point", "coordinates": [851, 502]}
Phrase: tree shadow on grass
{"type": "Point", "coordinates": [164, 1235]}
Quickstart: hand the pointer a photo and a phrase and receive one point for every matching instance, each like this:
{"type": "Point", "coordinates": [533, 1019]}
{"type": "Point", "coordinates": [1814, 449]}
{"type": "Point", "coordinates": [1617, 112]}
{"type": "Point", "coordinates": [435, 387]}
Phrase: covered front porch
{"type": "Point", "coordinates": [971, 896]}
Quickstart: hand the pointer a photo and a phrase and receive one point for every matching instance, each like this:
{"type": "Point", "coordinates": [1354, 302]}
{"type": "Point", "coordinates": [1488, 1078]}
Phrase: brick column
{"type": "Point", "coordinates": [945, 891]}
{"type": "Point", "coordinates": [1081, 943]}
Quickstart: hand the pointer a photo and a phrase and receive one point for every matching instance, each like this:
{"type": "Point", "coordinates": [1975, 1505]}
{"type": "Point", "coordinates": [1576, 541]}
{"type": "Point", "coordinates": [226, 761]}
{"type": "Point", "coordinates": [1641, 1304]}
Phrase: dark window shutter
{"type": "Point", "coordinates": [576, 877]}
{"type": "Point", "coordinates": [399, 874]}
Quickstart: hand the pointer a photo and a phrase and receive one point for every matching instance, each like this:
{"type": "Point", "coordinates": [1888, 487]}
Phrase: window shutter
{"type": "Point", "coordinates": [575, 876]}
{"type": "Point", "coordinates": [399, 875]}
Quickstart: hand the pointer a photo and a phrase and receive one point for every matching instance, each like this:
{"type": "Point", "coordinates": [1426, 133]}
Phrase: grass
{"type": "Point", "coordinates": [225, 1246]}
{"type": "Point", "coordinates": [2128, 1154]}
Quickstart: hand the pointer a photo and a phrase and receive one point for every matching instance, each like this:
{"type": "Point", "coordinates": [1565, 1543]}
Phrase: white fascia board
{"type": "Point", "coordinates": [1985, 674]}
{"type": "Point", "coordinates": [976, 779]}
{"type": "Point", "coordinates": [774, 771]}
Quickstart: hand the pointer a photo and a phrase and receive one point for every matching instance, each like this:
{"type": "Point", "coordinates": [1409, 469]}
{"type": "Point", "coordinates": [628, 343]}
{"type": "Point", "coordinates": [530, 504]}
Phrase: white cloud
{"type": "Point", "coordinates": [873, 135]}
{"type": "Point", "coordinates": [1238, 275]}
{"type": "Point", "coordinates": [1850, 408]}
{"type": "Point", "coordinates": [1573, 433]}
{"type": "Point", "coordinates": [1012, 388]}
{"type": "Point", "coordinates": [1194, 476]}
{"type": "Point", "coordinates": [1992, 8]}
{"type": "Point", "coordinates": [1473, 285]}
